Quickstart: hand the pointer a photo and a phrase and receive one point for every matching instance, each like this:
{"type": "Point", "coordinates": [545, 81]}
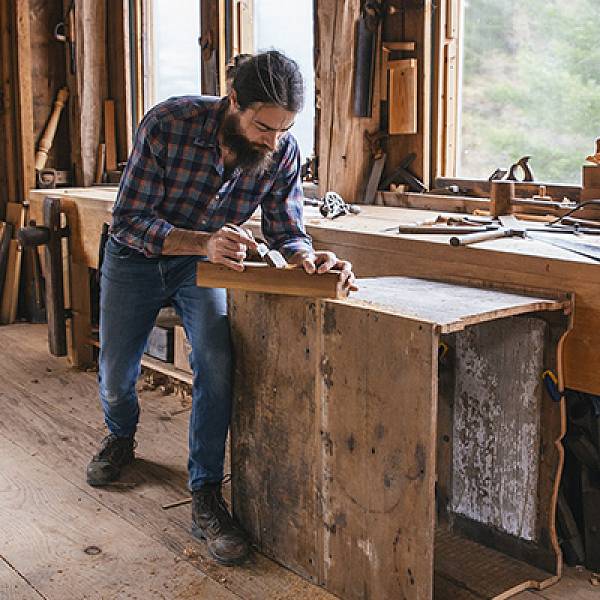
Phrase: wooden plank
{"type": "Point", "coordinates": [119, 73]}
{"type": "Point", "coordinates": [13, 586]}
{"type": "Point", "coordinates": [498, 398]}
{"type": "Point", "coordinates": [402, 100]}
{"type": "Point", "coordinates": [100, 163]}
{"type": "Point", "coordinates": [501, 194]}
{"type": "Point", "coordinates": [48, 545]}
{"type": "Point", "coordinates": [24, 98]}
{"type": "Point", "coordinates": [337, 491]}
{"type": "Point", "coordinates": [79, 326]}
{"type": "Point", "coordinates": [403, 46]}
{"type": "Point", "coordinates": [109, 135]}
{"type": "Point", "coordinates": [416, 24]}
{"type": "Point", "coordinates": [277, 506]}
{"type": "Point", "coordinates": [450, 307]}
{"type": "Point", "coordinates": [483, 571]}
{"type": "Point", "coordinates": [344, 156]}
{"type": "Point", "coordinates": [85, 106]}
{"type": "Point", "coordinates": [260, 277]}
{"type": "Point", "coordinates": [5, 237]}
{"type": "Point", "coordinates": [8, 167]}
{"type": "Point", "coordinates": [11, 285]}
{"type": "Point", "coordinates": [374, 478]}
{"type": "Point", "coordinates": [450, 108]}
{"type": "Point", "coordinates": [55, 415]}
{"type": "Point", "coordinates": [13, 214]}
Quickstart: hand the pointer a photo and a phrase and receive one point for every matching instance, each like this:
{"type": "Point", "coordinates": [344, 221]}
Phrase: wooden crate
{"type": "Point", "coordinates": [352, 417]}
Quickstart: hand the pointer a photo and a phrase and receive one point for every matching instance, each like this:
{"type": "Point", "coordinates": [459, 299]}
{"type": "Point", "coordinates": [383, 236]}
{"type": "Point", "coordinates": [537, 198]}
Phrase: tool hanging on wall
{"type": "Point", "coordinates": [64, 32]}
{"type": "Point", "coordinates": [401, 174]}
{"type": "Point", "coordinates": [375, 141]}
{"type": "Point", "coordinates": [364, 61]}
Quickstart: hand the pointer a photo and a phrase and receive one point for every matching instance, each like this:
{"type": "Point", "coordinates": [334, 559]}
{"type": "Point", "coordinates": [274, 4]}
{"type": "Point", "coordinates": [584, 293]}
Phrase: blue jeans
{"type": "Point", "coordinates": [133, 289]}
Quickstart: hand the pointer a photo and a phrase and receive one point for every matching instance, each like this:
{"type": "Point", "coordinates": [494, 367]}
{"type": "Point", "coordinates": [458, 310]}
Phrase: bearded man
{"type": "Point", "coordinates": [199, 168]}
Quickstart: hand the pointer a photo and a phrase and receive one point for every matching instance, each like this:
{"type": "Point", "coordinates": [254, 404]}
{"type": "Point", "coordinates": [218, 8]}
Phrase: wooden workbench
{"type": "Point", "coordinates": [402, 443]}
{"type": "Point", "coordinates": [515, 263]}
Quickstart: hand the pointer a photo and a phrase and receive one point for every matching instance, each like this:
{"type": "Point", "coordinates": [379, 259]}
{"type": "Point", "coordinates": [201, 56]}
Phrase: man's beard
{"type": "Point", "coordinates": [251, 158]}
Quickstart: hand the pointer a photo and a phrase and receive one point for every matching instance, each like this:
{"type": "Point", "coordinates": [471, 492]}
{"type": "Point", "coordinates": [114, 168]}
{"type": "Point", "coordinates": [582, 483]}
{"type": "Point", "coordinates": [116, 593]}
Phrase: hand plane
{"type": "Point", "coordinates": [274, 258]}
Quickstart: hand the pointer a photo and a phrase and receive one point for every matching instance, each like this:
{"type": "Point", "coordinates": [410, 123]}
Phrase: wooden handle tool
{"type": "Point", "coordinates": [46, 142]}
{"type": "Point", "coordinates": [474, 238]}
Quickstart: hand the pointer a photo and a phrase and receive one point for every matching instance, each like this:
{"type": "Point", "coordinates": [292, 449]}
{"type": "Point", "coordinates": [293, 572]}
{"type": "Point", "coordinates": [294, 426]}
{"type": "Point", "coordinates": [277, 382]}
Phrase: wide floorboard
{"type": "Point", "coordinates": [61, 539]}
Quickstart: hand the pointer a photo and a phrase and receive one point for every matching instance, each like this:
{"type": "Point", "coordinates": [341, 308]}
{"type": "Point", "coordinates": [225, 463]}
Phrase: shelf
{"type": "Point", "coordinates": [160, 366]}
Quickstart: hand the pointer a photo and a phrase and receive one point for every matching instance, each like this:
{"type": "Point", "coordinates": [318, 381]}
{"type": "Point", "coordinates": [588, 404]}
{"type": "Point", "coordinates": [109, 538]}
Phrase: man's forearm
{"type": "Point", "coordinates": [184, 242]}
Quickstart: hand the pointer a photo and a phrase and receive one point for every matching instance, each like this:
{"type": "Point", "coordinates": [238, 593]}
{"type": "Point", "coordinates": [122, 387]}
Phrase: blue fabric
{"type": "Point", "coordinates": [175, 178]}
{"type": "Point", "coordinates": [133, 290]}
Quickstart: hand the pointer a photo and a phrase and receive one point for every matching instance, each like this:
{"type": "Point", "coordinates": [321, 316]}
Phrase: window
{"type": "Point", "coordinates": [529, 85]}
{"type": "Point", "coordinates": [171, 49]}
{"type": "Point", "coordinates": [287, 25]}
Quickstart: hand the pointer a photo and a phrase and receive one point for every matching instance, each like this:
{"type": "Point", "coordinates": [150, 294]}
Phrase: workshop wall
{"type": "Point", "coordinates": [345, 156]}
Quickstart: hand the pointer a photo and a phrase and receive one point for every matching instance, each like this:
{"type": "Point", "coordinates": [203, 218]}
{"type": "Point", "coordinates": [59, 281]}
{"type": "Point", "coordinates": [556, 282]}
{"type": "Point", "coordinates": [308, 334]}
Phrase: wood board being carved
{"type": "Point", "coordinates": [260, 277]}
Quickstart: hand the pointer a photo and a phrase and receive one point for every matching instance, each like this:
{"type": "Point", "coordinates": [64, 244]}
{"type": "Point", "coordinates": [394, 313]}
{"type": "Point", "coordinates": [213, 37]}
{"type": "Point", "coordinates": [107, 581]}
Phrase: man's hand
{"type": "Point", "coordinates": [322, 261]}
{"type": "Point", "coordinates": [228, 246]}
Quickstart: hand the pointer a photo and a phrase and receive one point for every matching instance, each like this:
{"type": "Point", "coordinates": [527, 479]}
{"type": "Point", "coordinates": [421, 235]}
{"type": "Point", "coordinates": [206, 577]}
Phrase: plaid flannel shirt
{"type": "Point", "coordinates": [174, 178]}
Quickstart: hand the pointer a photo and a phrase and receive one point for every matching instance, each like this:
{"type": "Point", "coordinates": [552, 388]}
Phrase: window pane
{"type": "Point", "coordinates": [174, 57]}
{"type": "Point", "coordinates": [530, 86]}
{"type": "Point", "coordinates": [287, 25]}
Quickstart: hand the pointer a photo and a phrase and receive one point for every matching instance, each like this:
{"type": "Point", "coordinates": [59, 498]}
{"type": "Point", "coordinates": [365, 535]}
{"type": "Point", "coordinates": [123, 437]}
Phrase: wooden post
{"type": "Point", "coordinates": [501, 194]}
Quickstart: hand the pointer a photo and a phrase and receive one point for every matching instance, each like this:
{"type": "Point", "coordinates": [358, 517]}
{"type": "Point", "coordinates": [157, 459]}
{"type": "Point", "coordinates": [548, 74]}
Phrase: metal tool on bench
{"type": "Point", "coordinates": [50, 235]}
{"type": "Point", "coordinates": [52, 178]}
{"type": "Point", "coordinates": [512, 227]}
{"type": "Point", "coordinates": [274, 258]}
{"type": "Point", "coordinates": [271, 257]}
{"type": "Point", "coordinates": [332, 206]}
{"type": "Point", "coordinates": [523, 164]}
{"type": "Point", "coordinates": [401, 174]}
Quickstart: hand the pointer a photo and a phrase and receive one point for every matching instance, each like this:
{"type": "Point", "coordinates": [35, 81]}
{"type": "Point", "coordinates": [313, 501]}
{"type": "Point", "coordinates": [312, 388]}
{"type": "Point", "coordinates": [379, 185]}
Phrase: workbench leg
{"type": "Point", "coordinates": [79, 331]}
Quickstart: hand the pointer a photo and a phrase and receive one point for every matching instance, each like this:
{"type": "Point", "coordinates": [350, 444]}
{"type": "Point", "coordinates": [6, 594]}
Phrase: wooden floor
{"type": "Point", "coordinates": [61, 539]}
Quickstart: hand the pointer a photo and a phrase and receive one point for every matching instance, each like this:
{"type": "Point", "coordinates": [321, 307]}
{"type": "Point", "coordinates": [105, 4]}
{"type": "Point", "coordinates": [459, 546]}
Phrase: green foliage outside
{"type": "Point", "coordinates": [531, 86]}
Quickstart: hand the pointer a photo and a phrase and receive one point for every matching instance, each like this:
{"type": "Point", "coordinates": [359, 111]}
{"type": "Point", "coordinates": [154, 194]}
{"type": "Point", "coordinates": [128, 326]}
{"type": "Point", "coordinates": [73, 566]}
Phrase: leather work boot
{"type": "Point", "coordinates": [115, 452]}
{"type": "Point", "coordinates": [211, 521]}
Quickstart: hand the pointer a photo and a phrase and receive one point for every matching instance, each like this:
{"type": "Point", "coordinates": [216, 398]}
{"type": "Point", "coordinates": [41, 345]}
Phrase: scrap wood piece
{"type": "Point", "coordinates": [5, 237]}
{"type": "Point", "coordinates": [260, 277]}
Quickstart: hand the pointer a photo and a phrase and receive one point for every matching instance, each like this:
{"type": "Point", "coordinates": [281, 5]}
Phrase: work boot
{"type": "Point", "coordinates": [115, 452]}
{"type": "Point", "coordinates": [211, 521]}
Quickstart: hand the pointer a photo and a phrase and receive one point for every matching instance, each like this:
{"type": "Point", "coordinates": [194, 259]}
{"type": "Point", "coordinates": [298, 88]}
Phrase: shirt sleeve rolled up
{"type": "Point", "coordinates": [282, 207]}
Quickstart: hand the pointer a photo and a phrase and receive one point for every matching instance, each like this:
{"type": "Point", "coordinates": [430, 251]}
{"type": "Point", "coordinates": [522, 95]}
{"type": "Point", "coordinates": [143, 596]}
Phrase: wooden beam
{"type": "Point", "coordinates": [259, 277]}
{"type": "Point", "coordinates": [344, 156]}
{"type": "Point", "coordinates": [119, 73]}
{"type": "Point", "coordinates": [109, 136]}
{"type": "Point", "coordinates": [24, 99]}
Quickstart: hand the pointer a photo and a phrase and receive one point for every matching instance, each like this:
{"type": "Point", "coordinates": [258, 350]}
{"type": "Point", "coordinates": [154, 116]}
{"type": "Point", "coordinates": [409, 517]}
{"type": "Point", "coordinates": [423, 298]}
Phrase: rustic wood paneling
{"type": "Point", "coordinates": [498, 399]}
{"type": "Point", "coordinates": [88, 87]}
{"type": "Point", "coordinates": [48, 76]}
{"type": "Point", "coordinates": [344, 156]}
{"type": "Point", "coordinates": [119, 72]}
